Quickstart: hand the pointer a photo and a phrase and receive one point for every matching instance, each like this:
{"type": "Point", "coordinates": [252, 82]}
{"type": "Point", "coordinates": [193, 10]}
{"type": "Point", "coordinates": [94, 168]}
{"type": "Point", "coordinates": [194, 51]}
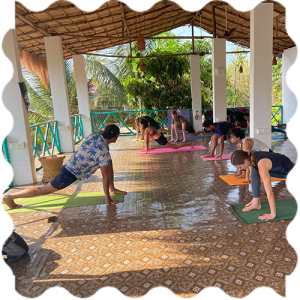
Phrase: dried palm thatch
{"type": "Point", "coordinates": [36, 64]}
{"type": "Point", "coordinates": [115, 23]}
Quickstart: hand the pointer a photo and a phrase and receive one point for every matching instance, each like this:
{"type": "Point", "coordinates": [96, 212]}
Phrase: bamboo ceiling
{"type": "Point", "coordinates": [114, 23]}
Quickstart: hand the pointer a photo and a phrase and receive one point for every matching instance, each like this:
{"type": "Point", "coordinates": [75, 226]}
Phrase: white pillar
{"type": "Point", "coordinates": [289, 100]}
{"type": "Point", "coordinates": [82, 94]}
{"type": "Point", "coordinates": [219, 79]}
{"type": "Point", "coordinates": [196, 91]}
{"type": "Point", "coordinates": [19, 139]}
{"type": "Point", "coordinates": [59, 92]}
{"type": "Point", "coordinates": [261, 46]}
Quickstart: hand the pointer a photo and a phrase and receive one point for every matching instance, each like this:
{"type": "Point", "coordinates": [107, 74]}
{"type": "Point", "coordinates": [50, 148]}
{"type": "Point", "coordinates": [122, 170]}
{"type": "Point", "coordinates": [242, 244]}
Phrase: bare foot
{"type": "Point", "coordinates": [254, 204]}
{"type": "Point", "coordinates": [177, 140]}
{"type": "Point", "coordinates": [192, 145]}
{"type": "Point", "coordinates": [10, 202]}
{"type": "Point", "coordinates": [208, 155]}
{"type": "Point", "coordinates": [183, 141]}
{"type": "Point", "coordinates": [116, 191]}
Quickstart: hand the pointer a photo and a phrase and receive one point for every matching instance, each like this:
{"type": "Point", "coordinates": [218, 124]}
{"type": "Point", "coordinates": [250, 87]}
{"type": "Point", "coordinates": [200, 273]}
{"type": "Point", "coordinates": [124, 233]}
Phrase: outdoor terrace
{"type": "Point", "coordinates": [174, 229]}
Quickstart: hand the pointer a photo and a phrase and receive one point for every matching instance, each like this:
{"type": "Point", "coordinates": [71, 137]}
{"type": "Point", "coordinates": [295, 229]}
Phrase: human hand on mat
{"type": "Point", "coordinates": [267, 217]}
{"type": "Point", "coordinates": [109, 201]}
{"type": "Point", "coordinates": [246, 180]}
{"type": "Point", "coordinates": [219, 156]}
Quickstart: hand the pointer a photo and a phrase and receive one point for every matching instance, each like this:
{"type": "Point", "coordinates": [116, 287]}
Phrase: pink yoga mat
{"type": "Point", "coordinates": [164, 150]}
{"type": "Point", "coordinates": [224, 157]}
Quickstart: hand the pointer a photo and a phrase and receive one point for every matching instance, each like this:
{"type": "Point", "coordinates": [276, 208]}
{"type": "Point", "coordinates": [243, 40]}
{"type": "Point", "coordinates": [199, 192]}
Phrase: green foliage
{"type": "Point", "coordinates": [166, 81]}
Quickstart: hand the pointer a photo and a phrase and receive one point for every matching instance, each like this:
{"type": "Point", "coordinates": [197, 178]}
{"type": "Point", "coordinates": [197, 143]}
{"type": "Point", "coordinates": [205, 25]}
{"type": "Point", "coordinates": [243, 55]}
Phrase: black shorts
{"type": "Point", "coordinates": [162, 140]}
{"type": "Point", "coordinates": [63, 179]}
{"type": "Point", "coordinates": [190, 129]}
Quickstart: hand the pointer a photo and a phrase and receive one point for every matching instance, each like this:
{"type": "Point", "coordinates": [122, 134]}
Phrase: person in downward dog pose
{"type": "Point", "coordinates": [158, 137]}
{"type": "Point", "coordinates": [263, 165]}
{"type": "Point", "coordinates": [237, 135]}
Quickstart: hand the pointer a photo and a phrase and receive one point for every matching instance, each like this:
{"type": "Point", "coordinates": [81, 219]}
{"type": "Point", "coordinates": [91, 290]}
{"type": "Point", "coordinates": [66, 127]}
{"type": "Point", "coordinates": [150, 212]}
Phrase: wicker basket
{"type": "Point", "coordinates": [51, 165]}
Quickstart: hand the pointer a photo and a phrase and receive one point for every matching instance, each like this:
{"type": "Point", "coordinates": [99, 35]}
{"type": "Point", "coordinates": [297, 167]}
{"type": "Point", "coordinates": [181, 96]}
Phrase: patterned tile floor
{"type": "Point", "coordinates": [174, 229]}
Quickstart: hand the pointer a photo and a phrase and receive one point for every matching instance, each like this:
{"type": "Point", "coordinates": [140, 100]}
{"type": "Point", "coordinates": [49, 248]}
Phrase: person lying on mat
{"type": "Point", "coordinates": [92, 154]}
{"type": "Point", "coordinates": [218, 130]}
{"type": "Point", "coordinates": [237, 135]}
{"type": "Point", "coordinates": [158, 137]}
{"type": "Point", "coordinates": [151, 123]}
{"type": "Point", "coordinates": [263, 165]}
{"type": "Point", "coordinates": [180, 122]}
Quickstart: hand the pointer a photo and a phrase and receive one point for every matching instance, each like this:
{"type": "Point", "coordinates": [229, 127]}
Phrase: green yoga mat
{"type": "Point", "coordinates": [61, 201]}
{"type": "Point", "coordinates": [285, 210]}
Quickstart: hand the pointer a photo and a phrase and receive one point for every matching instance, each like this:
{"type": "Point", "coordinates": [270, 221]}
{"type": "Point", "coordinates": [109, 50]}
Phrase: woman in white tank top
{"type": "Point", "coordinates": [237, 135]}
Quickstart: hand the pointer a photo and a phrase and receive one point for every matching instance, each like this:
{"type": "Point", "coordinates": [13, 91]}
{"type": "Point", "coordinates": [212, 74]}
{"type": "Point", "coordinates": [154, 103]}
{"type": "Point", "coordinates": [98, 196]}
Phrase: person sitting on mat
{"type": "Point", "coordinates": [92, 154]}
{"type": "Point", "coordinates": [158, 137]}
{"type": "Point", "coordinates": [151, 123]}
{"type": "Point", "coordinates": [218, 130]}
{"type": "Point", "coordinates": [263, 165]}
{"type": "Point", "coordinates": [237, 135]}
{"type": "Point", "coordinates": [180, 122]}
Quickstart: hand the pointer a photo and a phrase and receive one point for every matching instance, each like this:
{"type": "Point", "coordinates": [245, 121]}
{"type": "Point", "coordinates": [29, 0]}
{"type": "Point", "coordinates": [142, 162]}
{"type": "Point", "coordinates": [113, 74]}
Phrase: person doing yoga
{"type": "Point", "coordinates": [158, 137]}
{"type": "Point", "coordinates": [91, 155]}
{"type": "Point", "coordinates": [151, 123]}
{"type": "Point", "coordinates": [263, 165]}
{"type": "Point", "coordinates": [237, 135]}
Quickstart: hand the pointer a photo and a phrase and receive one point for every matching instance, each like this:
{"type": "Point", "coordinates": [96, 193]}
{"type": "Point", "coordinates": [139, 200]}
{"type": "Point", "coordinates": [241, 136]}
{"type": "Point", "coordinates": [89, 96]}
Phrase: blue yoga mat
{"type": "Point", "coordinates": [277, 137]}
{"type": "Point", "coordinates": [194, 138]}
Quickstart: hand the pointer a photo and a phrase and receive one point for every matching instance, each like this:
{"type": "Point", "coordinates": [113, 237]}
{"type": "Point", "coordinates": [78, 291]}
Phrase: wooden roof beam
{"type": "Point", "coordinates": [124, 18]}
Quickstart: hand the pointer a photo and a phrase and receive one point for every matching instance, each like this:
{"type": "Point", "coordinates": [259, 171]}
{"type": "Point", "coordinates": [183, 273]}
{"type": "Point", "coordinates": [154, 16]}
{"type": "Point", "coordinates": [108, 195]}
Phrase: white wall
{"type": "Point", "coordinates": [289, 100]}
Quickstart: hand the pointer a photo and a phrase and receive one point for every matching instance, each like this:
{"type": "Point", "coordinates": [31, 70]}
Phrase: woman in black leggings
{"type": "Point", "coordinates": [158, 137]}
{"type": "Point", "coordinates": [264, 165]}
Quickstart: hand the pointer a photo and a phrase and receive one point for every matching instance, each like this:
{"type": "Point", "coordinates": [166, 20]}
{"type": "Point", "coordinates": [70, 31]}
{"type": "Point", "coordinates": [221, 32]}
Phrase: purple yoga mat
{"type": "Point", "coordinates": [224, 157]}
{"type": "Point", "coordinates": [164, 150]}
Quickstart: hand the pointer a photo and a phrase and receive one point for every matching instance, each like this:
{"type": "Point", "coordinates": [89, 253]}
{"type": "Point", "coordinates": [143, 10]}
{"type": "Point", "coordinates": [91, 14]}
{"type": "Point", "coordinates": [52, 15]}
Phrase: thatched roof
{"type": "Point", "coordinates": [114, 23]}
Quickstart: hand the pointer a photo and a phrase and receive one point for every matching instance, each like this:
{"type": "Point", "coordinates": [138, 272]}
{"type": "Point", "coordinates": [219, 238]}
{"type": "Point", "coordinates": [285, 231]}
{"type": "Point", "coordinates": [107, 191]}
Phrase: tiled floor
{"type": "Point", "coordinates": [174, 229]}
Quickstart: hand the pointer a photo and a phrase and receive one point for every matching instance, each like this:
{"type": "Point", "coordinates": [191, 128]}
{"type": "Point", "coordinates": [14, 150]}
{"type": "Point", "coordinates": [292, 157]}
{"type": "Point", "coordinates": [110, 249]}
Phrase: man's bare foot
{"type": "Point", "coordinates": [10, 202]}
{"type": "Point", "coordinates": [254, 204]}
{"type": "Point", "coordinates": [116, 191]}
{"type": "Point", "coordinates": [184, 141]}
{"type": "Point", "coordinates": [192, 145]}
{"type": "Point", "coordinates": [208, 155]}
{"type": "Point", "coordinates": [177, 140]}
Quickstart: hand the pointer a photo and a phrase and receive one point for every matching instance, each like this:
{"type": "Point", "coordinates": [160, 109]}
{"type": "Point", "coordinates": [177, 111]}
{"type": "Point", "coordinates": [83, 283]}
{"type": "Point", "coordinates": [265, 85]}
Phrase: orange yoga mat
{"type": "Point", "coordinates": [231, 180]}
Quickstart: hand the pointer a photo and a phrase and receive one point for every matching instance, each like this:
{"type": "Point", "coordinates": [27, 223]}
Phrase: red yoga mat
{"type": "Point", "coordinates": [164, 150]}
{"type": "Point", "coordinates": [224, 157]}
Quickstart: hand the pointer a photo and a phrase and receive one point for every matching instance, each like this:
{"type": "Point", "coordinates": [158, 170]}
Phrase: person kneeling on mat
{"type": "Point", "coordinates": [158, 137]}
{"type": "Point", "coordinates": [237, 135]}
{"type": "Point", "coordinates": [92, 154]}
{"type": "Point", "coordinates": [263, 165]}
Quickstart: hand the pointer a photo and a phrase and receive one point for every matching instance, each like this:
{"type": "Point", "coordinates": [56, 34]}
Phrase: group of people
{"type": "Point", "coordinates": [253, 156]}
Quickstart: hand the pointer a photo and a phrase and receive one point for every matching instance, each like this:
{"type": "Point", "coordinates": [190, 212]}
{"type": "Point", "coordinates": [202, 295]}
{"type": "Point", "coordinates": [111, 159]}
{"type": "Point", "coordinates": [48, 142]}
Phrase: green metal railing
{"type": "Point", "coordinates": [276, 113]}
{"type": "Point", "coordinates": [125, 118]}
{"type": "Point", "coordinates": [77, 128]}
{"type": "Point", "coordinates": [44, 138]}
{"type": "Point", "coordinates": [6, 155]}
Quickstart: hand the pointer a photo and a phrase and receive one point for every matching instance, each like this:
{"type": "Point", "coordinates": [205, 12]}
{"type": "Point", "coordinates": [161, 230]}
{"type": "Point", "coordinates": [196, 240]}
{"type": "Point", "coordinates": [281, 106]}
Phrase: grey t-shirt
{"type": "Point", "coordinates": [181, 120]}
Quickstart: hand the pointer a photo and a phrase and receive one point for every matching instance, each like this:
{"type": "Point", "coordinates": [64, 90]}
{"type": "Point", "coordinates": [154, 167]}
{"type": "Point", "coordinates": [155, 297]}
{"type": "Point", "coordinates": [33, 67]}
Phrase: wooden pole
{"type": "Point", "coordinates": [214, 22]}
{"type": "Point", "coordinates": [193, 39]}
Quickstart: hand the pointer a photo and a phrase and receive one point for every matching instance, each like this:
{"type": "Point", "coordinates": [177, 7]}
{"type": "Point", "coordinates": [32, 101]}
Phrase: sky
{"type": "Point", "coordinates": [187, 31]}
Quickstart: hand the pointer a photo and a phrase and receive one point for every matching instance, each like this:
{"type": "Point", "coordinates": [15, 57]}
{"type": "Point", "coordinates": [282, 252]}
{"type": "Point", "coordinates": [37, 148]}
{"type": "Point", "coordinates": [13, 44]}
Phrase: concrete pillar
{"type": "Point", "coordinates": [261, 45]}
{"type": "Point", "coordinates": [19, 139]}
{"type": "Point", "coordinates": [82, 94]}
{"type": "Point", "coordinates": [59, 92]}
{"type": "Point", "coordinates": [219, 79]}
{"type": "Point", "coordinates": [196, 91]}
{"type": "Point", "coordinates": [289, 100]}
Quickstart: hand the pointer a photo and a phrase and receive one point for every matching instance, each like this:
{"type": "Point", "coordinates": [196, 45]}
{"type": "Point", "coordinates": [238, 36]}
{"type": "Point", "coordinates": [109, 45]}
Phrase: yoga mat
{"type": "Point", "coordinates": [61, 201]}
{"type": "Point", "coordinates": [194, 138]}
{"type": "Point", "coordinates": [164, 150]}
{"type": "Point", "coordinates": [224, 157]}
{"type": "Point", "coordinates": [231, 180]}
{"type": "Point", "coordinates": [285, 210]}
{"type": "Point", "coordinates": [277, 137]}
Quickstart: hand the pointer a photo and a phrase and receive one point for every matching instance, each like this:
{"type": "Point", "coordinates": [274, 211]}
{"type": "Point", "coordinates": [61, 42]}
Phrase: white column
{"type": "Point", "coordinates": [261, 46]}
{"type": "Point", "coordinates": [59, 92]}
{"type": "Point", "coordinates": [196, 91]}
{"type": "Point", "coordinates": [82, 93]}
{"type": "Point", "coordinates": [19, 139]}
{"type": "Point", "coordinates": [289, 100]}
{"type": "Point", "coordinates": [219, 79]}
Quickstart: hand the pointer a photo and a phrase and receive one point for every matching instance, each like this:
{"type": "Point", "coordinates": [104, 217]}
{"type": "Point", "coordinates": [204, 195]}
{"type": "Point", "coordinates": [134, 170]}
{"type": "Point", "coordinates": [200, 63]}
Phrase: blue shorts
{"type": "Point", "coordinates": [63, 179]}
